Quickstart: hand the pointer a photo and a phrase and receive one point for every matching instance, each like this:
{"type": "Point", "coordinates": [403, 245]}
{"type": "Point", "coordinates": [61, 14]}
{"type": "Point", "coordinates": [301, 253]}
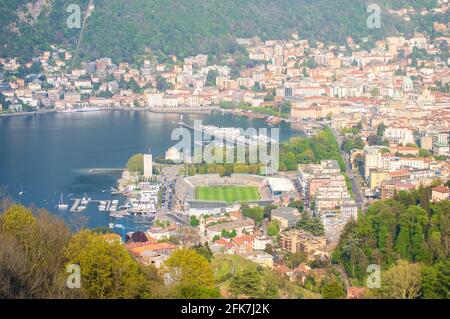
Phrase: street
{"type": "Point", "coordinates": [356, 188]}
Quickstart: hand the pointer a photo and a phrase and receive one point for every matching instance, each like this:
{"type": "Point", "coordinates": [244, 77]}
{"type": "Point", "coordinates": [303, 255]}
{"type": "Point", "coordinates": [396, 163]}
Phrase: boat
{"type": "Point", "coordinates": [114, 191]}
{"type": "Point", "coordinates": [116, 215]}
{"type": "Point", "coordinates": [119, 214]}
{"type": "Point", "coordinates": [61, 204]}
{"type": "Point", "coordinates": [88, 109]}
{"type": "Point", "coordinates": [81, 208]}
{"type": "Point", "coordinates": [21, 191]}
{"type": "Point", "coordinates": [85, 200]}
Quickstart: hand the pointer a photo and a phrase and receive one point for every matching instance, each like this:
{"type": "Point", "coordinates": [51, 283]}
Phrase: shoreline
{"type": "Point", "coordinates": [27, 113]}
{"type": "Point", "coordinates": [151, 110]}
{"type": "Point", "coordinates": [178, 110]}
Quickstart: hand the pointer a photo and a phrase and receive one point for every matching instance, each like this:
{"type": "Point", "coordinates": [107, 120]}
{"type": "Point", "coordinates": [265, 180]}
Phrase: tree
{"type": "Point", "coordinates": [32, 255]}
{"type": "Point", "coordinates": [107, 269]}
{"type": "Point", "coordinates": [333, 290]}
{"type": "Point", "coordinates": [273, 228]}
{"type": "Point", "coordinates": [205, 251]}
{"type": "Point", "coordinates": [194, 222]}
{"type": "Point", "coordinates": [161, 84]}
{"type": "Point", "coordinates": [247, 283]}
{"type": "Point", "coordinates": [311, 224]}
{"type": "Point", "coordinates": [211, 78]}
{"type": "Point", "coordinates": [256, 213]}
{"type": "Point", "coordinates": [4, 103]}
{"type": "Point", "coordinates": [435, 281]}
{"type": "Point", "coordinates": [293, 260]}
{"type": "Point", "coordinates": [298, 204]}
{"type": "Point", "coordinates": [20, 222]}
{"type": "Point", "coordinates": [190, 274]}
{"type": "Point", "coordinates": [136, 163]}
{"type": "Point", "coordinates": [402, 281]}
{"type": "Point", "coordinates": [380, 130]}
{"type": "Point", "coordinates": [268, 210]}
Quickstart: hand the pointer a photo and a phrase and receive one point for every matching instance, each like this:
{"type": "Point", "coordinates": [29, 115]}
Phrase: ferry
{"type": "Point", "coordinates": [66, 111]}
{"type": "Point", "coordinates": [89, 109]}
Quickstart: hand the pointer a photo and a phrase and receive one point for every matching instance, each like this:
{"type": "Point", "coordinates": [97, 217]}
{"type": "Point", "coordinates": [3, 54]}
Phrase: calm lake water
{"type": "Point", "coordinates": [49, 154]}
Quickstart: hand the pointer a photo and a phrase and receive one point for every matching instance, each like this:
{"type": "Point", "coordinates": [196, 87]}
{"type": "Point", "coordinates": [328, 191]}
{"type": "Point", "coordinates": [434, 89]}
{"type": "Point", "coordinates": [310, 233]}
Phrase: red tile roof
{"type": "Point", "coordinates": [441, 189]}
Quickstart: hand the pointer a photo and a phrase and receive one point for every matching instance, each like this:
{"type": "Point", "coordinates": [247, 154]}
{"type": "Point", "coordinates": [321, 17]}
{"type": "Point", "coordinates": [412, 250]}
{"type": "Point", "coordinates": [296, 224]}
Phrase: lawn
{"type": "Point", "coordinates": [229, 194]}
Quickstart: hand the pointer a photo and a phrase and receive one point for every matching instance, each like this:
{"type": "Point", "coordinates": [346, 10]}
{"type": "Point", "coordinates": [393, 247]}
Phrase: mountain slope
{"type": "Point", "coordinates": [123, 28]}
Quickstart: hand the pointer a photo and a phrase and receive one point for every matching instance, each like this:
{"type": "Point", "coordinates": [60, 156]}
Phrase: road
{"type": "Point", "coordinates": [357, 191]}
{"type": "Point", "coordinates": [167, 178]}
{"type": "Point", "coordinates": [176, 218]}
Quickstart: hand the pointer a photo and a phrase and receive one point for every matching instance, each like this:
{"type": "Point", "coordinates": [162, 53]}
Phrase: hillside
{"type": "Point", "coordinates": [407, 230]}
{"type": "Point", "coordinates": [120, 28]}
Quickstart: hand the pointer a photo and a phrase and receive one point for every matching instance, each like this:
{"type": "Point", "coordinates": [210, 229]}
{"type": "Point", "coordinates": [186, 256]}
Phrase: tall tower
{"type": "Point", "coordinates": [148, 165]}
{"type": "Point", "coordinates": [202, 226]}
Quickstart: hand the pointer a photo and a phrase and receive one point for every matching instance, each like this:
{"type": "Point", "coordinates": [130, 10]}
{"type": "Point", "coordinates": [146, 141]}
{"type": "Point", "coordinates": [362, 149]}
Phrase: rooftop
{"type": "Point", "coordinates": [281, 184]}
{"type": "Point", "coordinates": [441, 189]}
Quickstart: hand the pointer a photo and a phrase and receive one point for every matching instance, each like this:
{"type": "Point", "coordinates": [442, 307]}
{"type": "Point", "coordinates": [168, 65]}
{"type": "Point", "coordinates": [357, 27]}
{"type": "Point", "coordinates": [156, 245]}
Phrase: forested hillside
{"type": "Point", "coordinates": [407, 235]}
{"type": "Point", "coordinates": [121, 28]}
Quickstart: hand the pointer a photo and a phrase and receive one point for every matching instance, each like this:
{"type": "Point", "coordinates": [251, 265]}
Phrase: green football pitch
{"type": "Point", "coordinates": [229, 194]}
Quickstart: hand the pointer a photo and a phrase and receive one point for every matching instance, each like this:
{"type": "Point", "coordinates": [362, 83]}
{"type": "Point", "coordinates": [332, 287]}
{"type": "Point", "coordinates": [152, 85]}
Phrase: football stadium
{"type": "Point", "coordinates": [212, 194]}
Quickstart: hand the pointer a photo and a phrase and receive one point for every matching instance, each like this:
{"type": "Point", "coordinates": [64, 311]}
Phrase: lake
{"type": "Point", "coordinates": [49, 154]}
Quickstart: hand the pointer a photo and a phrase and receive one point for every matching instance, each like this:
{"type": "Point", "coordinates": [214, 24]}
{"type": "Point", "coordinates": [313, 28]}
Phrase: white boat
{"type": "Point", "coordinates": [119, 214]}
{"type": "Point", "coordinates": [81, 208]}
{"type": "Point", "coordinates": [114, 191]}
{"type": "Point", "coordinates": [21, 191]}
{"type": "Point", "coordinates": [89, 109]}
{"type": "Point", "coordinates": [102, 208]}
{"type": "Point", "coordinates": [61, 204]}
{"type": "Point", "coordinates": [85, 200]}
{"type": "Point", "coordinates": [66, 111]}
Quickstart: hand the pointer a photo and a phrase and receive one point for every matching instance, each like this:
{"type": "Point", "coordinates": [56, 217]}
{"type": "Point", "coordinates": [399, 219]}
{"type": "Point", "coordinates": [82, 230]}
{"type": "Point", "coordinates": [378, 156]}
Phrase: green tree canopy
{"type": "Point", "coordinates": [136, 163]}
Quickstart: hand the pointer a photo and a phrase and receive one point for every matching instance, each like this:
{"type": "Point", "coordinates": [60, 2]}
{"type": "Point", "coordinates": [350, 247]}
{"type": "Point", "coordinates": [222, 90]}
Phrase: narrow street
{"type": "Point", "coordinates": [356, 188]}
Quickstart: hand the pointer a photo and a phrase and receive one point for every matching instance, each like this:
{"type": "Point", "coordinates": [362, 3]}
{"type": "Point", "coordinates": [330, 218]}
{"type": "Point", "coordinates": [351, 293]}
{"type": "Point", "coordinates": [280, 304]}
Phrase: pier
{"type": "Point", "coordinates": [229, 138]}
{"type": "Point", "coordinates": [76, 203]}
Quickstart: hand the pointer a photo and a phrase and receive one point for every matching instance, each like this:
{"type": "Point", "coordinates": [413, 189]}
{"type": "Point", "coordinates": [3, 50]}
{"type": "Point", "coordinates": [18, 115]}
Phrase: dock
{"type": "Point", "coordinates": [77, 202]}
{"type": "Point", "coordinates": [75, 205]}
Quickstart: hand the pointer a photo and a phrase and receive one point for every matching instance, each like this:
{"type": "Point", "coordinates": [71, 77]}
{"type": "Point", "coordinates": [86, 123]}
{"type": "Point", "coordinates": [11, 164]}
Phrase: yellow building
{"type": "Point", "coordinates": [376, 178]}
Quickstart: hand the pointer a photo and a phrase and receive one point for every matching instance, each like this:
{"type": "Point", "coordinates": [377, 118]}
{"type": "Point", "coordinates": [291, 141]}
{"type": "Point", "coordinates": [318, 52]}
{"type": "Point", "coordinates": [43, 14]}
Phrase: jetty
{"type": "Point", "coordinates": [76, 203]}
